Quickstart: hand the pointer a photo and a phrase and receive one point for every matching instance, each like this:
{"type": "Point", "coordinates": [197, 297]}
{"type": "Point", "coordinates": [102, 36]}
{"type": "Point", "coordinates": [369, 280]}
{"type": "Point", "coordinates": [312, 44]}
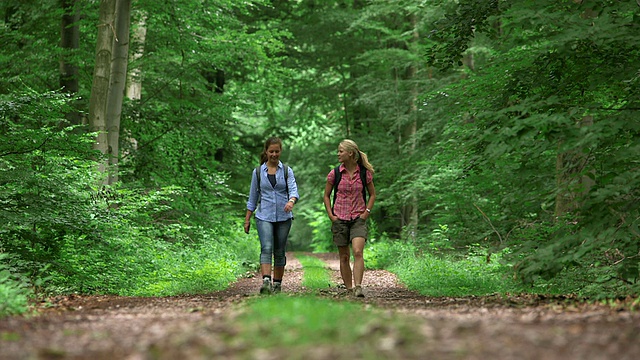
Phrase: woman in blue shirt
{"type": "Point", "coordinates": [274, 195]}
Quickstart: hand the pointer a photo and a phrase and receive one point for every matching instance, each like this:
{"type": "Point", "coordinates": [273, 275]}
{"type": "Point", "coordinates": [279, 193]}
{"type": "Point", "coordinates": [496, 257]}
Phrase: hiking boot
{"type": "Point", "coordinates": [357, 291]}
{"type": "Point", "coordinates": [277, 287]}
{"type": "Point", "coordinates": [266, 287]}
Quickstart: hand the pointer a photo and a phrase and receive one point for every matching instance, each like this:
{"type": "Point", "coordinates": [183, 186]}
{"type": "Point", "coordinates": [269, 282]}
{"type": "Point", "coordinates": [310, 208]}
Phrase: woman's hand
{"type": "Point", "coordinates": [247, 226]}
{"type": "Point", "coordinates": [289, 206]}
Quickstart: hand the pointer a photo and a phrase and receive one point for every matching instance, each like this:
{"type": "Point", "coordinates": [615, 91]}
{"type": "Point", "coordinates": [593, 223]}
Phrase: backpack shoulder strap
{"type": "Point", "coordinates": [336, 180]}
{"type": "Point", "coordinates": [286, 177]}
{"type": "Point", "coordinates": [257, 171]}
{"type": "Point", "coordinates": [363, 179]}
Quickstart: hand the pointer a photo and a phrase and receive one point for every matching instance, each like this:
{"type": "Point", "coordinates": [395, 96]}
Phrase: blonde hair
{"type": "Point", "coordinates": [360, 157]}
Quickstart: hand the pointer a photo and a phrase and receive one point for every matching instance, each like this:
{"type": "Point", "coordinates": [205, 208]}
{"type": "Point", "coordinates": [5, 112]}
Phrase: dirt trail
{"type": "Point", "coordinates": [199, 327]}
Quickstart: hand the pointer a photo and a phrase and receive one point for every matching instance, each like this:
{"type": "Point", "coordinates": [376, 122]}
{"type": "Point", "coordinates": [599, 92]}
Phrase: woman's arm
{"type": "Point", "coordinates": [292, 185]}
{"type": "Point", "coordinates": [247, 221]}
{"type": "Point", "coordinates": [372, 199]}
{"type": "Point", "coordinates": [328, 188]}
{"type": "Point", "coordinates": [252, 202]}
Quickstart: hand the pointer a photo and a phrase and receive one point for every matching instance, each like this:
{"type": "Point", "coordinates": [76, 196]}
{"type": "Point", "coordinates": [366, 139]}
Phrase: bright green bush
{"type": "Point", "coordinates": [207, 267]}
{"type": "Point", "coordinates": [132, 253]}
{"type": "Point", "coordinates": [443, 276]}
{"type": "Point", "coordinates": [14, 291]}
{"type": "Point", "coordinates": [144, 266]}
{"type": "Point", "coordinates": [433, 276]}
{"type": "Point", "coordinates": [321, 229]}
{"type": "Point", "coordinates": [384, 253]}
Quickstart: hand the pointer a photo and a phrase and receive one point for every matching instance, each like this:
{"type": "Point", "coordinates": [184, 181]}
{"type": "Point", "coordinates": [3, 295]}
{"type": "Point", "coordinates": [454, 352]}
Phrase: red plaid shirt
{"type": "Point", "coordinates": [349, 202]}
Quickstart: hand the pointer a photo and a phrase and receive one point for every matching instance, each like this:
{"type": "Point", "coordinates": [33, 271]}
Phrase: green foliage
{"type": "Point", "coordinates": [433, 276]}
{"type": "Point", "coordinates": [46, 175]}
{"type": "Point", "coordinates": [506, 124]}
{"type": "Point", "coordinates": [478, 272]}
{"type": "Point", "coordinates": [179, 150]}
{"type": "Point", "coordinates": [14, 290]}
{"type": "Point", "coordinates": [583, 263]}
{"type": "Point", "coordinates": [321, 229]}
{"type": "Point", "coordinates": [120, 240]}
{"type": "Point", "coordinates": [453, 32]}
{"type": "Point", "coordinates": [316, 275]}
{"type": "Point", "coordinates": [545, 93]}
{"type": "Point", "coordinates": [383, 254]}
{"type": "Point", "coordinates": [144, 256]}
{"type": "Point", "coordinates": [190, 271]}
{"type": "Point", "coordinates": [205, 79]}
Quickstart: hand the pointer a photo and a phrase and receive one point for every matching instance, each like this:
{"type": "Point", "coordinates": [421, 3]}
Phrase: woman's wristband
{"type": "Point", "coordinates": [293, 200]}
{"type": "Point", "coordinates": [368, 210]}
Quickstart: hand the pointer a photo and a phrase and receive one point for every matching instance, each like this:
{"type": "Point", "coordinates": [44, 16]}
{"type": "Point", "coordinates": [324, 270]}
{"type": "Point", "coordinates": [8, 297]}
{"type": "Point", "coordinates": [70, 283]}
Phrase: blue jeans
{"type": "Point", "coordinates": [273, 241]}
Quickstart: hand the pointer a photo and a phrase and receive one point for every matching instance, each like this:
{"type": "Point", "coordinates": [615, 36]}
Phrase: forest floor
{"type": "Point", "coordinates": [202, 326]}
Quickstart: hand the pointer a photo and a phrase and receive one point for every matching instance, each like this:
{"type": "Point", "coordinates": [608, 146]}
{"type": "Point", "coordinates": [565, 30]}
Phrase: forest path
{"type": "Point", "coordinates": [201, 326]}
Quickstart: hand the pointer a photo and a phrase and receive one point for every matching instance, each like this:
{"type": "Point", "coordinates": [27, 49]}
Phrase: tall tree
{"type": "Point", "coordinates": [134, 82]}
{"type": "Point", "coordinates": [409, 130]}
{"type": "Point", "coordinates": [69, 42]}
{"type": "Point", "coordinates": [102, 79]}
{"type": "Point", "coordinates": [118, 78]}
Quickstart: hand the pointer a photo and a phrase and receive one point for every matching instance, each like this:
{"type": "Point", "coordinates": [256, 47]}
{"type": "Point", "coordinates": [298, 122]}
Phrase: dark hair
{"type": "Point", "coordinates": [270, 141]}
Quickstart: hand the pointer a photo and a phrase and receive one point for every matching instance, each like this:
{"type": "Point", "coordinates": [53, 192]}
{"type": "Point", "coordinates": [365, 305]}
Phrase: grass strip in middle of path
{"type": "Point", "coordinates": [296, 324]}
{"type": "Point", "coordinates": [316, 274]}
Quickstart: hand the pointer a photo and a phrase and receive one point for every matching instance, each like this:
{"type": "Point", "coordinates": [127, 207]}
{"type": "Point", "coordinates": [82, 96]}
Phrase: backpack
{"type": "Point", "coordinates": [286, 177]}
{"type": "Point", "coordinates": [338, 176]}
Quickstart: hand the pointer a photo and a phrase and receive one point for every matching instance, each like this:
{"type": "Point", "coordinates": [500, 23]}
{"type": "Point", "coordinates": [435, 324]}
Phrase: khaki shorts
{"type": "Point", "coordinates": [345, 230]}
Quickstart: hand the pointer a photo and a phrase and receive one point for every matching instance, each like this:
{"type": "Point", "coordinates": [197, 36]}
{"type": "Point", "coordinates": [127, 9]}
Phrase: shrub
{"type": "Point", "coordinates": [14, 290]}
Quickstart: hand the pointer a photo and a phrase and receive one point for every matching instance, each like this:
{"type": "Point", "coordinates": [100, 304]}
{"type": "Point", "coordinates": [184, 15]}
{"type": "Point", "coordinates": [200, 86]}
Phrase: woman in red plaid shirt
{"type": "Point", "coordinates": [350, 210]}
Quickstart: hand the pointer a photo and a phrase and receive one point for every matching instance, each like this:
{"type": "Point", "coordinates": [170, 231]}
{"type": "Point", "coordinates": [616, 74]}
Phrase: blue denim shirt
{"type": "Point", "coordinates": [272, 199]}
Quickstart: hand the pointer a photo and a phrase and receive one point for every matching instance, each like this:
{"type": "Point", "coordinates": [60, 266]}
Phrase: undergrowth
{"type": "Point", "coordinates": [479, 272]}
{"type": "Point", "coordinates": [442, 276]}
{"type": "Point", "coordinates": [14, 290]}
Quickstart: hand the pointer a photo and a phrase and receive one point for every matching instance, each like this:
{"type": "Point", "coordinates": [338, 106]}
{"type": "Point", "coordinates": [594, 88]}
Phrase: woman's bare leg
{"type": "Point", "coordinates": [345, 265]}
{"type": "Point", "coordinates": [358, 260]}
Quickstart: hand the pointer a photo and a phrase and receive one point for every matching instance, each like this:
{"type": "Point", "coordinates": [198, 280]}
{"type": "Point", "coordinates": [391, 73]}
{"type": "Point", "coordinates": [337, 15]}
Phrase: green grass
{"type": "Point", "coordinates": [441, 276]}
{"type": "Point", "coordinates": [14, 291]}
{"type": "Point", "coordinates": [294, 323]}
{"type": "Point", "coordinates": [316, 275]}
{"type": "Point", "coordinates": [470, 274]}
{"type": "Point", "coordinates": [431, 276]}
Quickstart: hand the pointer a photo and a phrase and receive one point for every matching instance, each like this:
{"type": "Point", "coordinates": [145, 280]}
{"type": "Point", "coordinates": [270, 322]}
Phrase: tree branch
{"type": "Point", "coordinates": [25, 151]}
{"type": "Point", "coordinates": [489, 222]}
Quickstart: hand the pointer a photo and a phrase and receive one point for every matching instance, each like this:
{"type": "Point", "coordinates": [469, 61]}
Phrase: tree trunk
{"type": "Point", "coordinates": [101, 78]}
{"type": "Point", "coordinates": [117, 84]}
{"type": "Point", "coordinates": [134, 83]}
{"type": "Point", "coordinates": [410, 209]}
{"type": "Point", "coordinates": [69, 40]}
{"type": "Point", "coordinates": [571, 186]}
